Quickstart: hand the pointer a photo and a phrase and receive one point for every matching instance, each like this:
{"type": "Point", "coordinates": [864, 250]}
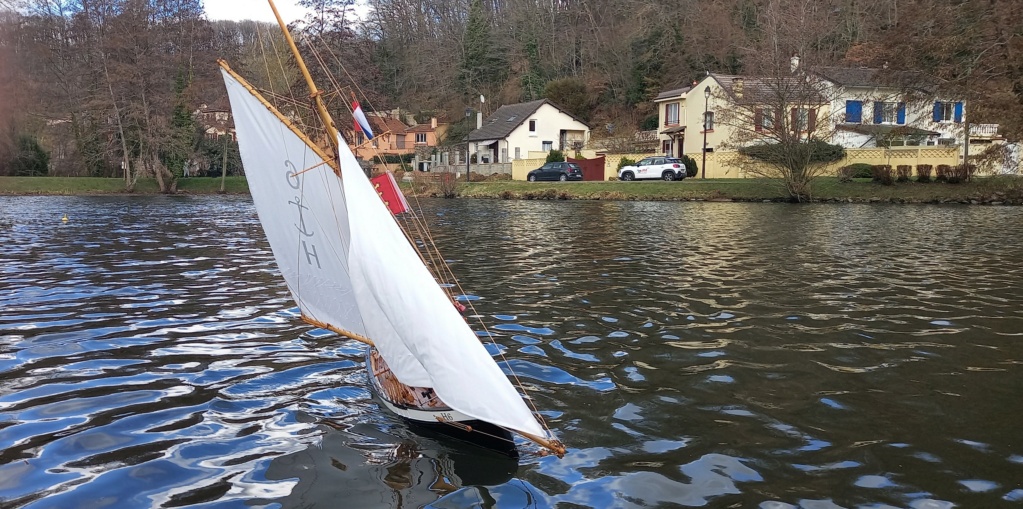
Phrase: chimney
{"type": "Point", "coordinates": [737, 87]}
{"type": "Point", "coordinates": [795, 63]}
{"type": "Point", "coordinates": [433, 122]}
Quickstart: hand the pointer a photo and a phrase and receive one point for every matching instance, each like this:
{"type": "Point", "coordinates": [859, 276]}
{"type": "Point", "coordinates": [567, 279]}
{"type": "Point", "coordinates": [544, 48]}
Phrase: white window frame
{"type": "Point", "coordinates": [889, 113]}
{"type": "Point", "coordinates": [547, 146]}
{"type": "Point", "coordinates": [671, 113]}
{"type": "Point", "coordinates": [708, 121]}
{"type": "Point", "coordinates": [420, 138]}
{"type": "Point", "coordinates": [948, 112]}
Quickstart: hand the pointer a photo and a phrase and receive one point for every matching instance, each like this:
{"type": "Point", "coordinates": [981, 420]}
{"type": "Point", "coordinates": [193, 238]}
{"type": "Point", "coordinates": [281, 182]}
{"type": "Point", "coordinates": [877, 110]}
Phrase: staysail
{"type": "Point", "coordinates": [349, 265]}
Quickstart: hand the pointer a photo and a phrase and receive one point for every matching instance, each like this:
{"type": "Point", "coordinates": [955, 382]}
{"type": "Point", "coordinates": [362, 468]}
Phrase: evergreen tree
{"type": "Point", "coordinates": [482, 66]}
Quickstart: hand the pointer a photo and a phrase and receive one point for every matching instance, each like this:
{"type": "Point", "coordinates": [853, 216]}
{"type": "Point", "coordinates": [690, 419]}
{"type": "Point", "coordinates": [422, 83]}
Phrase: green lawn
{"type": "Point", "coordinates": [99, 185]}
{"type": "Point", "coordinates": [1004, 189]}
{"type": "Point", "coordinates": [825, 189]}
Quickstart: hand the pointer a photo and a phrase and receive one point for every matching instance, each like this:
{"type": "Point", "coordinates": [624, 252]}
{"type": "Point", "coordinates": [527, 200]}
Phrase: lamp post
{"type": "Point", "coordinates": [468, 114]}
{"type": "Point", "coordinates": [706, 103]}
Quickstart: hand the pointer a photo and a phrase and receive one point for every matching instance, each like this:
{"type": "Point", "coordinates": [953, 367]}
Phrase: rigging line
{"type": "Point", "coordinates": [355, 87]}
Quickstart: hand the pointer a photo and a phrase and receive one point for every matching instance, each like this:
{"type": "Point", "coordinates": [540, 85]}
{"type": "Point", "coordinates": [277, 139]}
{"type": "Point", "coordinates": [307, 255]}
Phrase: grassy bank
{"type": "Point", "coordinates": [1001, 190]}
{"type": "Point", "coordinates": [97, 185]}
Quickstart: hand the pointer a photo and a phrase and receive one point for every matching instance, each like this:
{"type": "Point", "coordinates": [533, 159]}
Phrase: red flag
{"type": "Point", "coordinates": [388, 190]}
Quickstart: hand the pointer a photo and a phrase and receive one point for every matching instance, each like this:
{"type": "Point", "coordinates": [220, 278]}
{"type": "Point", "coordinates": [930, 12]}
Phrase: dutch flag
{"type": "Point", "coordinates": [361, 123]}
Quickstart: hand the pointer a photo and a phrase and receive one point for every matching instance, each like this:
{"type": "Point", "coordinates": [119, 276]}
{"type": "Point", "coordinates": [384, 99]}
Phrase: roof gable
{"type": "Point", "coordinates": [507, 118]}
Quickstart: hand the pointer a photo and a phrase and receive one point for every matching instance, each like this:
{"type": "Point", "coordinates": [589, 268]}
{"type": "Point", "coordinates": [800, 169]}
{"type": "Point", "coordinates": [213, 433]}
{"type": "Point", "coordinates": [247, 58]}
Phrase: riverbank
{"type": "Point", "coordinates": [1001, 190]}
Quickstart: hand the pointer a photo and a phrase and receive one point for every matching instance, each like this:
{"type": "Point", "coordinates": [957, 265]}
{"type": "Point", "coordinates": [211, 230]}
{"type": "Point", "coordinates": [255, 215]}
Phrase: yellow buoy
{"type": "Point", "coordinates": [65, 219]}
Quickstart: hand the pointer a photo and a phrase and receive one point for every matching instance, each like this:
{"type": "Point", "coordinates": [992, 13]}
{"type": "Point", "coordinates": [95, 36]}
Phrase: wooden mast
{"type": "Point", "coordinates": [314, 93]}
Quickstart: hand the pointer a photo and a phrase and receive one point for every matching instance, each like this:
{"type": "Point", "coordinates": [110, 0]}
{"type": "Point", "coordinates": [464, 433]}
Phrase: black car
{"type": "Point", "coordinates": [556, 171]}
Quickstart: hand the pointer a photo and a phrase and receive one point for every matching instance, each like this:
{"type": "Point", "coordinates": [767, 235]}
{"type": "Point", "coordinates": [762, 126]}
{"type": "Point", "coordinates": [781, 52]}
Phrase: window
{"type": "Point", "coordinates": [889, 113]}
{"type": "Point", "coordinates": [708, 121]}
{"type": "Point", "coordinates": [518, 153]}
{"type": "Point", "coordinates": [548, 146]}
{"type": "Point", "coordinates": [420, 138]}
{"type": "Point", "coordinates": [532, 126]}
{"type": "Point", "coordinates": [948, 111]}
{"type": "Point", "coordinates": [804, 119]}
{"type": "Point", "coordinates": [763, 120]}
{"type": "Point", "coordinates": [666, 146]}
{"type": "Point", "coordinates": [671, 114]}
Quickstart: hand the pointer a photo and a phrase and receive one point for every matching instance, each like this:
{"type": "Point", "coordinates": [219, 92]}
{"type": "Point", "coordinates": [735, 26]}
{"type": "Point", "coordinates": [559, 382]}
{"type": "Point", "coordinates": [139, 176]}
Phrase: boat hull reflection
{"type": "Point", "coordinates": [367, 467]}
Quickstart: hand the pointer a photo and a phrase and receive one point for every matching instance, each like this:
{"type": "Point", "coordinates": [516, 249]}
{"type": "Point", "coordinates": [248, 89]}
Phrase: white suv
{"type": "Point", "coordinates": [663, 168]}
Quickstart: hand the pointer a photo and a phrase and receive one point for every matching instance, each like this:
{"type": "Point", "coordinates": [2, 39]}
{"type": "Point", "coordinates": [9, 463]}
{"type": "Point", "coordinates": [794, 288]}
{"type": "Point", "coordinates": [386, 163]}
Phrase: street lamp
{"type": "Point", "coordinates": [706, 102]}
{"type": "Point", "coordinates": [468, 115]}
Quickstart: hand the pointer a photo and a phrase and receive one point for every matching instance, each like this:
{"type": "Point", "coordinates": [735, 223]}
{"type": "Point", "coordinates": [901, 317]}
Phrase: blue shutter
{"type": "Point", "coordinates": [854, 112]}
{"type": "Point", "coordinates": [959, 112]}
{"type": "Point", "coordinates": [938, 117]}
{"type": "Point", "coordinates": [901, 119]}
{"type": "Point", "coordinates": [878, 112]}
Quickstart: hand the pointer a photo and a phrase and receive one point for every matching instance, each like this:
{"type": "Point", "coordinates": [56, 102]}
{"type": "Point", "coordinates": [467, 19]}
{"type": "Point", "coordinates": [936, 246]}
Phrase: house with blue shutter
{"type": "Point", "coordinates": [881, 108]}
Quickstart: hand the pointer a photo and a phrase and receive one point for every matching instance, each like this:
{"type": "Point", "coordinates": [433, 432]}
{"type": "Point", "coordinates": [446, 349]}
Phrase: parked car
{"type": "Point", "coordinates": [556, 171]}
{"type": "Point", "coordinates": [663, 168]}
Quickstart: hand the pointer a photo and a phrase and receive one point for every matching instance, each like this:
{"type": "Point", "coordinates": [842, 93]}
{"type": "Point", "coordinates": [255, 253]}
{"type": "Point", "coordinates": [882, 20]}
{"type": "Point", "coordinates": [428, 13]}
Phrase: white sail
{"type": "Point", "coordinates": [364, 276]}
{"type": "Point", "coordinates": [303, 213]}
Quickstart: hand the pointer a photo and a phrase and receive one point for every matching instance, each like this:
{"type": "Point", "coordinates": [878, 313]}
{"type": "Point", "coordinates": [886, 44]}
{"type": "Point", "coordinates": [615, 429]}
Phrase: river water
{"type": "Point", "coordinates": [689, 354]}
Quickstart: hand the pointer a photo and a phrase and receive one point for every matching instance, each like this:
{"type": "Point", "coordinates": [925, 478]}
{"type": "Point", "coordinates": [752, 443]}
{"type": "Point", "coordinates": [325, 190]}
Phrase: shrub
{"type": "Point", "coordinates": [691, 168]}
{"type": "Point", "coordinates": [860, 171]}
{"type": "Point", "coordinates": [447, 185]}
{"type": "Point", "coordinates": [883, 174]}
{"type": "Point", "coordinates": [961, 173]}
{"type": "Point", "coordinates": [903, 171]}
{"type": "Point", "coordinates": [941, 173]}
{"type": "Point", "coordinates": [394, 158]}
{"type": "Point", "coordinates": [814, 151]}
{"type": "Point", "coordinates": [555, 156]}
{"type": "Point", "coordinates": [845, 174]}
{"type": "Point", "coordinates": [399, 174]}
{"type": "Point", "coordinates": [628, 162]}
{"type": "Point", "coordinates": [923, 173]}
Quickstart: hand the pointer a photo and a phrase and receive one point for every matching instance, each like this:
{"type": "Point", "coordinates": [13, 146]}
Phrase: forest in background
{"type": "Point", "coordinates": [88, 87]}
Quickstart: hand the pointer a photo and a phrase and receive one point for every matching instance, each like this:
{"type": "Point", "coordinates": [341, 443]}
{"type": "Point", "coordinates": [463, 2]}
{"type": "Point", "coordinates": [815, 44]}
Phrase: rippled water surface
{"type": "Point", "coordinates": [690, 354]}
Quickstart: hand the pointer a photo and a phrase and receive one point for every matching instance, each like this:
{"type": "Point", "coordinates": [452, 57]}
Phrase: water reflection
{"type": "Point", "coordinates": [690, 354]}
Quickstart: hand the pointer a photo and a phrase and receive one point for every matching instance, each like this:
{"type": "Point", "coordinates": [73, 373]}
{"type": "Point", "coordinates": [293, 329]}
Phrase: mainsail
{"type": "Point", "coordinates": [349, 266]}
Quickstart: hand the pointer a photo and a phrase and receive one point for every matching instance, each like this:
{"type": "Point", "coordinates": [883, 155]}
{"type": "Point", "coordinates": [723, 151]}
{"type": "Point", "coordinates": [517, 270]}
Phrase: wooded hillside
{"type": "Point", "coordinates": [99, 84]}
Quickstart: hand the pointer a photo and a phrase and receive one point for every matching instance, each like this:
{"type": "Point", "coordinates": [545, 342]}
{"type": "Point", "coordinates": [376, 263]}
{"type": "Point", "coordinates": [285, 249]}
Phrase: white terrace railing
{"type": "Point", "coordinates": [984, 130]}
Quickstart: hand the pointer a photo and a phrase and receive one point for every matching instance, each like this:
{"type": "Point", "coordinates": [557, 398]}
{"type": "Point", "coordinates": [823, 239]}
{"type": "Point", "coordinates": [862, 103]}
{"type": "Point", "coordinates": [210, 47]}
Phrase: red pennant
{"type": "Point", "coordinates": [388, 190]}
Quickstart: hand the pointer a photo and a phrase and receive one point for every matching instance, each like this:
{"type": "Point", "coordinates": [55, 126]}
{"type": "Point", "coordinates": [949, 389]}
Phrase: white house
{"type": "Point", "coordinates": [871, 108]}
{"type": "Point", "coordinates": [515, 130]}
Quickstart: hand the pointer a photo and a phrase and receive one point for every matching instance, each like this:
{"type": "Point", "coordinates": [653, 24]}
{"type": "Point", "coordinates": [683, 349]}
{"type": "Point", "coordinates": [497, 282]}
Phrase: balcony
{"type": "Point", "coordinates": [983, 130]}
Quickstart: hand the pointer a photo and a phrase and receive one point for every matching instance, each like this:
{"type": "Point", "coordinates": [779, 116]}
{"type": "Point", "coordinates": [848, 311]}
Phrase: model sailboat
{"type": "Point", "coordinates": [351, 269]}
